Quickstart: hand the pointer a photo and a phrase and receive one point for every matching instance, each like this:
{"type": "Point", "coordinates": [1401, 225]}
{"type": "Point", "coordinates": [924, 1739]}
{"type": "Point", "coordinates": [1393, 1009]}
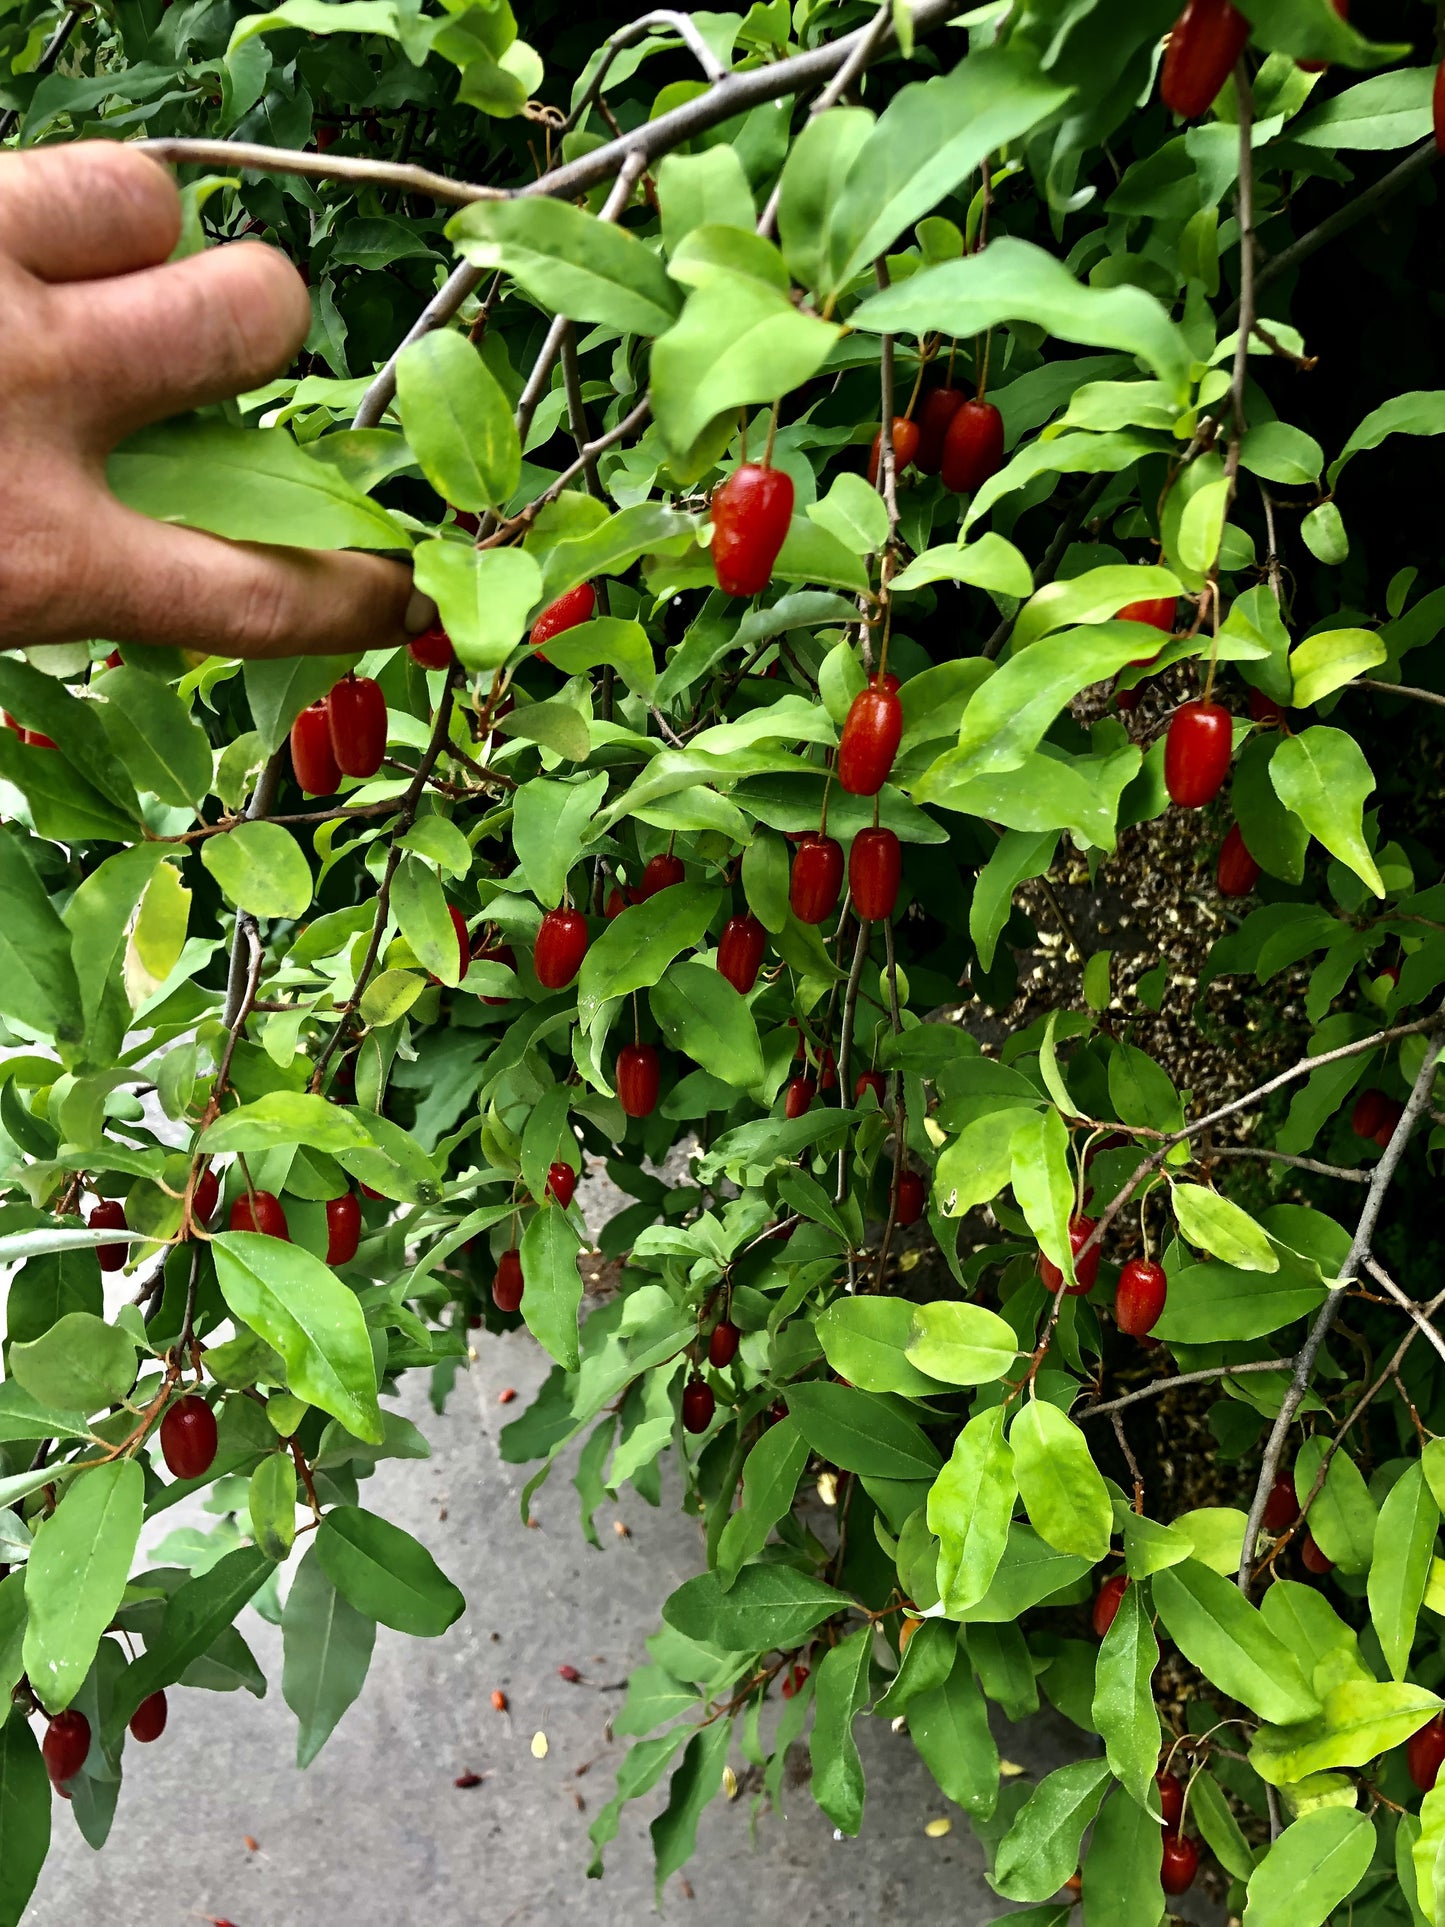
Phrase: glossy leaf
{"type": "Point", "coordinates": [385, 1573]}
{"type": "Point", "coordinates": [1061, 1488]}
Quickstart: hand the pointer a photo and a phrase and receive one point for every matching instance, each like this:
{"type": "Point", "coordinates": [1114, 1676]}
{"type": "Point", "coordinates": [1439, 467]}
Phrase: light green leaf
{"type": "Point", "coordinates": [949, 1726]}
{"type": "Point", "coordinates": [1217, 1225]}
{"type": "Point", "coordinates": [76, 1576]}
{"type": "Point", "coordinates": [271, 1501]}
{"type": "Point", "coordinates": [637, 947]}
{"type": "Point", "coordinates": [1062, 1489]}
{"type": "Point", "coordinates": [1123, 1708]}
{"type": "Point", "coordinates": [1094, 596]}
{"type": "Point", "coordinates": [1313, 1866]}
{"type": "Point", "coordinates": [1041, 1848]}
{"type": "Point", "coordinates": [80, 1365]}
{"type": "Point", "coordinates": [607, 639]}
{"type": "Point", "coordinates": [704, 1017]}
{"type": "Point", "coordinates": [1044, 1186]}
{"type": "Point", "coordinates": [1387, 110]}
{"type": "Point", "coordinates": [484, 597]}
{"type": "Point", "coordinates": [569, 261]}
{"type": "Point", "coordinates": [151, 731]}
{"type": "Point", "coordinates": [1343, 1516]}
{"type": "Point", "coordinates": [458, 422]}
{"type": "Point", "coordinates": [385, 1573]}
{"type": "Point", "coordinates": [770, 1479]}
{"type": "Point", "coordinates": [988, 563]}
{"type": "Point", "coordinates": [862, 1432]}
{"type": "Point", "coordinates": [842, 1687]}
{"type": "Point", "coordinates": [1321, 774]}
{"type": "Point", "coordinates": [284, 1118]}
{"type": "Point", "coordinates": [1217, 1629]}
{"type": "Point", "coordinates": [1400, 1568]}
{"type": "Point", "coordinates": [261, 868]}
{"type": "Point", "coordinates": [1326, 662]}
{"type": "Point", "coordinates": [960, 1344]}
{"type": "Point", "coordinates": [553, 1283]}
{"type": "Point", "coordinates": [969, 1507]}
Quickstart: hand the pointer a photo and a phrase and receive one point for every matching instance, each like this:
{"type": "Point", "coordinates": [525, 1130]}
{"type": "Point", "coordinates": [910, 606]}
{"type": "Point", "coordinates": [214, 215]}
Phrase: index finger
{"type": "Point", "coordinates": [86, 212]}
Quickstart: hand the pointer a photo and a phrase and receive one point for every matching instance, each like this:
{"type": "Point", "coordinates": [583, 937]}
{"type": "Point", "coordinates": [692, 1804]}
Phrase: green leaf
{"type": "Point", "coordinates": [1063, 1491]}
{"type": "Point", "coordinates": [261, 868]}
{"type": "Point", "coordinates": [636, 948]}
{"type": "Point", "coordinates": [1400, 1566]}
{"type": "Point", "coordinates": [1321, 774]}
{"type": "Point", "coordinates": [1041, 1848]}
{"type": "Point", "coordinates": [569, 261]}
{"type": "Point", "coordinates": [1343, 1517]}
{"type": "Point", "coordinates": [1279, 453]}
{"type": "Point", "coordinates": [861, 1432]}
{"type": "Point", "coordinates": [865, 1340]}
{"type": "Point", "coordinates": [291, 1300]}
{"type": "Point", "coordinates": [703, 1016]}
{"type": "Point", "coordinates": [607, 639]}
{"type": "Point", "coordinates": [702, 190]}
{"type": "Point", "coordinates": [38, 983]}
{"type": "Point", "coordinates": [280, 688]}
{"type": "Point", "coordinates": [1123, 1708]}
{"type": "Point", "coordinates": [553, 1283]}
{"type": "Point", "coordinates": [1094, 596]}
{"type": "Point", "coordinates": [327, 1645]}
{"type": "Point", "coordinates": [770, 1479]}
{"type": "Point", "coordinates": [960, 1344]}
{"type": "Point", "coordinates": [1220, 1227]}
{"type": "Point", "coordinates": [25, 1803]}
{"type": "Point", "coordinates": [386, 1574]}
{"type": "Point", "coordinates": [1428, 1855]}
{"type": "Point", "coordinates": [283, 1118]}
{"type": "Point", "coordinates": [1221, 1831]}
{"type": "Point", "coordinates": [1326, 662]}
{"type": "Point", "coordinates": [272, 1505]}
{"type": "Point", "coordinates": [77, 1574]}
{"type": "Point", "coordinates": [458, 422]}
{"type": "Point", "coordinates": [841, 1688]}
{"type": "Point", "coordinates": [248, 484]}
{"type": "Point", "coordinates": [1324, 535]}
{"type": "Point", "coordinates": [695, 1783]}
{"type": "Point", "coordinates": [1216, 1628]}
{"type": "Point", "coordinates": [857, 515]}
{"type": "Point", "coordinates": [196, 1615]}
{"type": "Point", "coordinates": [1044, 1186]}
{"type": "Point", "coordinates": [970, 1505]}
{"type": "Point", "coordinates": [949, 1726]}
{"type": "Point", "coordinates": [80, 1364]}
{"type": "Point", "coordinates": [766, 1606]}
{"type": "Point", "coordinates": [647, 528]}
{"type": "Point", "coordinates": [1017, 856]}
{"type": "Point", "coordinates": [1121, 1868]}
{"type": "Point", "coordinates": [989, 563]}
{"type": "Point", "coordinates": [421, 910]}
{"type": "Point", "coordinates": [737, 341]}
{"type": "Point", "coordinates": [817, 161]}
{"type": "Point", "coordinates": [151, 731]}
{"type": "Point", "coordinates": [1014, 280]}
{"type": "Point", "coordinates": [484, 597]}
{"type": "Point", "coordinates": [1211, 1303]}
{"type": "Point", "coordinates": [1313, 1866]}
{"type": "Point", "coordinates": [1387, 110]}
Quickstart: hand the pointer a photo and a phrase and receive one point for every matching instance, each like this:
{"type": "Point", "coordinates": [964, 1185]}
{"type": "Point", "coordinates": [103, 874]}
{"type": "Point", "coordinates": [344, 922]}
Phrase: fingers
{"type": "Point", "coordinates": [172, 585]}
{"type": "Point", "coordinates": [91, 210]}
{"type": "Point", "coordinates": [190, 332]}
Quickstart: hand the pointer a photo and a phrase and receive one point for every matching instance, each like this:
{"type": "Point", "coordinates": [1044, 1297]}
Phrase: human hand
{"type": "Point", "coordinates": [103, 335]}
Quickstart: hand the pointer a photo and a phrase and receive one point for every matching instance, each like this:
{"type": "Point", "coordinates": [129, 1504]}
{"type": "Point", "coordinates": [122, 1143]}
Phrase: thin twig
{"type": "Point", "coordinates": [262, 797]}
{"type": "Point", "coordinates": [361, 171]}
{"type": "Point", "coordinates": [1341, 1171]}
{"type": "Point", "coordinates": [845, 1046]}
{"type": "Point", "coordinates": [1382, 1277]}
{"type": "Point", "coordinates": [1398, 689]}
{"type": "Point", "coordinates": [1159, 1386]}
{"type": "Point", "coordinates": [678, 23]}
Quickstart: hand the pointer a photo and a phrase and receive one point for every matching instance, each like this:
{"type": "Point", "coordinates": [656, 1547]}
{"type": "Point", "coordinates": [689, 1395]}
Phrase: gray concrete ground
{"type": "Point", "coordinates": [375, 1831]}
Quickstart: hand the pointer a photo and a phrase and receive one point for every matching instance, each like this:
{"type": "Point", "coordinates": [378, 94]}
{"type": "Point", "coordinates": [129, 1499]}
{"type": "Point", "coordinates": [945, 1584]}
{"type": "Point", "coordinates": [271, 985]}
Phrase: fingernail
{"type": "Point", "coordinates": [421, 614]}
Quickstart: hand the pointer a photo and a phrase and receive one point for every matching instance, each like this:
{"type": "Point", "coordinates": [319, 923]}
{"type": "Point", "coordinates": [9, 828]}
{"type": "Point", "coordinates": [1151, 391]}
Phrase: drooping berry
{"type": "Point", "coordinates": [973, 447]}
{"type": "Point", "coordinates": [565, 613]}
{"type": "Point", "coordinates": [561, 1183]}
{"type": "Point", "coordinates": [260, 1211]}
{"type": "Point", "coordinates": [940, 405]}
{"type": "Point", "coordinates": [827, 1070]}
{"type": "Point", "coordinates": [1086, 1270]}
{"type": "Point", "coordinates": [1369, 1112]}
{"type": "Point", "coordinates": [793, 1681]}
{"type": "Point", "coordinates": [1314, 1559]}
{"type": "Point", "coordinates": [663, 870]}
{"type": "Point", "coordinates": [109, 1215]}
{"type": "Point", "coordinates": [1140, 1297]}
{"type": "Point", "coordinates": [698, 1405]}
{"type": "Point", "coordinates": [722, 1347]}
{"type": "Point", "coordinates": [205, 1197]}
{"type": "Point", "coordinates": [1170, 1789]}
{"type": "Point", "coordinates": [343, 1228]}
{"type": "Point", "coordinates": [560, 947]}
{"type": "Point", "coordinates": [1157, 611]}
{"type": "Point", "coordinates": [1196, 753]}
{"type": "Point", "coordinates": [148, 1721]}
{"type": "Point", "coordinates": [740, 952]}
{"type": "Point", "coordinates": [433, 650]}
{"type": "Point", "coordinates": [356, 714]}
{"type": "Point", "coordinates": [817, 878]}
{"type": "Point", "coordinates": [312, 761]}
{"type": "Point", "coordinates": [1238, 872]}
{"type": "Point", "coordinates": [615, 905]}
{"type": "Point", "coordinates": [1264, 709]}
{"type": "Point", "coordinates": [905, 447]}
{"type": "Point", "coordinates": [1390, 1116]}
{"type": "Point", "coordinates": [798, 1094]}
{"type": "Point", "coordinates": [66, 1743]}
{"type": "Point", "coordinates": [188, 1438]}
{"type": "Point", "coordinates": [1107, 1601]}
{"type": "Point", "coordinates": [507, 1285]}
{"type": "Point", "coordinates": [638, 1079]}
{"type": "Point", "coordinates": [1281, 1508]}
{"type": "Point", "coordinates": [751, 513]}
{"type": "Point", "coordinates": [871, 733]}
{"type": "Point", "coordinates": [1178, 1864]}
{"type": "Point", "coordinates": [1207, 39]}
{"type": "Point", "coordinates": [875, 870]}
{"type": "Point", "coordinates": [870, 1081]}
{"type": "Point", "coordinates": [1425, 1753]}
{"type": "Point", "coordinates": [912, 1198]}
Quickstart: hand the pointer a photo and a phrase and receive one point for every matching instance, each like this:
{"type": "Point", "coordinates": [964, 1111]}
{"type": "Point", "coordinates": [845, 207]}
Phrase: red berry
{"type": "Point", "coordinates": [905, 447]}
{"type": "Point", "coordinates": [1179, 1862]}
{"type": "Point", "coordinates": [188, 1438]}
{"type": "Point", "coordinates": [1394, 1110]}
{"type": "Point", "coordinates": [871, 733]}
{"type": "Point", "coordinates": [740, 952]}
{"type": "Point", "coordinates": [698, 1405]}
{"type": "Point", "coordinates": [114, 660]}
{"type": "Point", "coordinates": [66, 1743]}
{"type": "Point", "coordinates": [827, 1071]}
{"type": "Point", "coordinates": [433, 650]}
{"type": "Point", "coordinates": [260, 1211]}
{"type": "Point", "coordinates": [1281, 1508]}
{"type": "Point", "coordinates": [1370, 1109]}
{"type": "Point", "coordinates": [37, 739]}
{"type": "Point", "coordinates": [148, 1721]}
{"type": "Point", "coordinates": [109, 1215]}
{"type": "Point", "coordinates": [1127, 699]}
{"type": "Point", "coordinates": [639, 1077]}
{"type": "Point", "coordinates": [1086, 1270]}
{"type": "Point", "coordinates": [817, 879]}
{"type": "Point", "coordinates": [343, 1228]}
{"type": "Point", "coordinates": [1171, 1799]}
{"type": "Point", "coordinates": [569, 1673]}
{"type": "Point", "coordinates": [1314, 1559]}
{"type": "Point", "coordinates": [205, 1197]}
{"type": "Point", "coordinates": [356, 714]}
{"type": "Point", "coordinates": [1158, 612]}
{"type": "Point", "coordinates": [615, 905]}
{"type": "Point", "coordinates": [973, 447]}
{"type": "Point", "coordinates": [1197, 752]}
{"type": "Point", "coordinates": [327, 134]}
{"type": "Point", "coordinates": [565, 613]}
{"type": "Point", "coordinates": [561, 1183]}
{"type": "Point", "coordinates": [875, 869]}
{"type": "Point", "coordinates": [560, 947]}
{"type": "Point", "coordinates": [751, 513]}
{"type": "Point", "coordinates": [798, 1094]}
{"type": "Point", "coordinates": [1106, 1602]}
{"type": "Point", "coordinates": [911, 1199]}
{"type": "Point", "coordinates": [501, 953]}
{"type": "Point", "coordinates": [870, 1081]}
{"type": "Point", "coordinates": [1208, 38]}
{"type": "Point", "coordinates": [661, 873]}
{"type": "Point", "coordinates": [507, 1285]}
{"type": "Point", "coordinates": [1238, 872]}
{"type": "Point", "coordinates": [1425, 1753]}
{"type": "Point", "coordinates": [1264, 709]}
{"type": "Point", "coordinates": [1140, 1297]}
{"type": "Point", "coordinates": [940, 406]}
{"type": "Point", "coordinates": [722, 1347]}
{"type": "Point", "coordinates": [793, 1681]}
{"type": "Point", "coordinates": [312, 761]}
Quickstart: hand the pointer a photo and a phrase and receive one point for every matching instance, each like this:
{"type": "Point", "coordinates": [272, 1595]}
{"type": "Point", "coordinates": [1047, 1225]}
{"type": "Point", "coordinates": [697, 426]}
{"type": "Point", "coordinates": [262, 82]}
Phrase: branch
{"type": "Point", "coordinates": [679, 23]}
{"type": "Point", "coordinates": [1415, 1105]}
{"type": "Point", "coordinates": [1341, 1171]}
{"type": "Point", "coordinates": [1397, 689]}
{"type": "Point", "coordinates": [1382, 1277]}
{"type": "Point", "coordinates": [262, 797]}
{"type": "Point", "coordinates": [1162, 1385]}
{"type": "Point", "coordinates": [361, 171]}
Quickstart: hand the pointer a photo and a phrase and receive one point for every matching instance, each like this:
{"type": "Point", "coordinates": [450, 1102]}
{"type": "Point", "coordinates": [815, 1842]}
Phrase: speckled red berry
{"type": "Point", "coordinates": [188, 1438]}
